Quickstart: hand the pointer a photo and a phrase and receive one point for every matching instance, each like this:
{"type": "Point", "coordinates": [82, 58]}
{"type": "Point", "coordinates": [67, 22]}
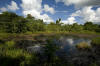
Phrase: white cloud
{"type": "Point", "coordinates": [37, 15]}
{"type": "Point", "coordinates": [98, 12]}
{"type": "Point", "coordinates": [80, 3]}
{"type": "Point", "coordinates": [88, 14]}
{"type": "Point", "coordinates": [0, 13]}
{"type": "Point", "coordinates": [34, 7]}
{"type": "Point", "coordinates": [70, 20]}
{"type": "Point", "coordinates": [62, 11]}
{"type": "Point", "coordinates": [3, 9]}
{"type": "Point", "coordinates": [13, 7]}
{"type": "Point", "coordinates": [32, 4]}
{"type": "Point", "coordinates": [48, 9]}
{"type": "Point", "coordinates": [46, 18]}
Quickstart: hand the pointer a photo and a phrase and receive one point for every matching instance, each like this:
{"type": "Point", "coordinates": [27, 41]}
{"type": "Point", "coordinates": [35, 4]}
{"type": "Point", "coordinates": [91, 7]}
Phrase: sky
{"type": "Point", "coordinates": [70, 11]}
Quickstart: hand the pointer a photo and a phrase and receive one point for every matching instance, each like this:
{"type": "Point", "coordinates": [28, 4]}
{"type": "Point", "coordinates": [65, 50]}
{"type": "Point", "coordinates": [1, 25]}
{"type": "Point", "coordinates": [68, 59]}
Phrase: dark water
{"type": "Point", "coordinates": [67, 44]}
{"type": "Point", "coordinates": [68, 51]}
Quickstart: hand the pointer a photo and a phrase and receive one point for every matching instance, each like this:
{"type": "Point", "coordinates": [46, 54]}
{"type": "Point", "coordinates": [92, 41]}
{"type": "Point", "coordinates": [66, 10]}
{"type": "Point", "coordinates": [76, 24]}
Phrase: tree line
{"type": "Point", "coordinates": [12, 23]}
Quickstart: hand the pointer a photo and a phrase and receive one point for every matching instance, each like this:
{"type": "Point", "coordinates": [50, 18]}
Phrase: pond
{"type": "Point", "coordinates": [67, 44]}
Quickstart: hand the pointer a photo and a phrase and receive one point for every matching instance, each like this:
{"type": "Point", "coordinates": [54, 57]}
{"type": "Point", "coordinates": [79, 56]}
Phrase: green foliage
{"type": "Point", "coordinates": [96, 41]}
{"type": "Point", "coordinates": [12, 23]}
{"type": "Point", "coordinates": [90, 26]}
{"type": "Point", "coordinates": [7, 16]}
{"type": "Point", "coordinates": [4, 35]}
{"type": "Point", "coordinates": [58, 22]}
{"type": "Point", "coordinates": [50, 50]}
{"type": "Point", "coordinates": [9, 55]}
{"type": "Point", "coordinates": [76, 27]}
{"type": "Point", "coordinates": [10, 44]}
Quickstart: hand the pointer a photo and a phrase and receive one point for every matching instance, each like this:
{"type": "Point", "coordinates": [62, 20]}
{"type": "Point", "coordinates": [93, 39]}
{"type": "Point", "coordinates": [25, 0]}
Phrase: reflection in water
{"type": "Point", "coordinates": [68, 44]}
{"type": "Point", "coordinates": [70, 41]}
{"type": "Point", "coordinates": [35, 48]}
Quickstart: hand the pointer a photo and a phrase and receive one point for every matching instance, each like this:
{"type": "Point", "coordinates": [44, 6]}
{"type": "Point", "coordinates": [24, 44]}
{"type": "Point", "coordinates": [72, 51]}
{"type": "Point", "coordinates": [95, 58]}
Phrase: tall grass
{"type": "Point", "coordinates": [96, 41]}
{"type": "Point", "coordinates": [83, 45]}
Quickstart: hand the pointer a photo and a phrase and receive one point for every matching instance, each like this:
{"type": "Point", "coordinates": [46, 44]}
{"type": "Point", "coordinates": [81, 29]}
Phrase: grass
{"type": "Point", "coordinates": [83, 45]}
{"type": "Point", "coordinates": [49, 33]}
{"type": "Point", "coordinates": [3, 35]}
{"type": "Point", "coordinates": [96, 41]}
{"type": "Point", "coordinates": [10, 44]}
{"type": "Point", "coordinates": [16, 53]}
{"type": "Point", "coordinates": [9, 50]}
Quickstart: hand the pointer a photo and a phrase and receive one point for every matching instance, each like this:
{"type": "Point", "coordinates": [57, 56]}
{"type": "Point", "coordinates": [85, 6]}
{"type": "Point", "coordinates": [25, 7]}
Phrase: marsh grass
{"type": "Point", "coordinates": [83, 45]}
{"type": "Point", "coordinates": [9, 55]}
{"type": "Point", "coordinates": [10, 44]}
{"type": "Point", "coordinates": [96, 41]}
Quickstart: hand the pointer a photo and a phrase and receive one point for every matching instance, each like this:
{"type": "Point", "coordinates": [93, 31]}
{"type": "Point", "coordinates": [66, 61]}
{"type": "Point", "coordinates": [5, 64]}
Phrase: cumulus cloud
{"type": "Point", "coordinates": [80, 3]}
{"type": "Point", "coordinates": [49, 9]}
{"type": "Point", "coordinates": [46, 18]}
{"type": "Point", "coordinates": [98, 12]}
{"type": "Point", "coordinates": [31, 4]}
{"type": "Point", "coordinates": [88, 14]}
{"type": "Point", "coordinates": [34, 7]}
{"type": "Point", "coordinates": [70, 20]}
{"type": "Point", "coordinates": [37, 15]}
{"type": "Point", "coordinates": [13, 7]}
{"type": "Point", "coordinates": [3, 9]}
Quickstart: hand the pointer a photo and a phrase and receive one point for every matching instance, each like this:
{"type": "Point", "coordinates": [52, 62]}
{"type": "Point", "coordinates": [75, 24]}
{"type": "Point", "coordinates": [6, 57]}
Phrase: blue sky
{"type": "Point", "coordinates": [70, 11]}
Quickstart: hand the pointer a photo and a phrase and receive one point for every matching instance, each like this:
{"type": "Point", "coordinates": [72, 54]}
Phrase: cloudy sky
{"type": "Point", "coordinates": [70, 11]}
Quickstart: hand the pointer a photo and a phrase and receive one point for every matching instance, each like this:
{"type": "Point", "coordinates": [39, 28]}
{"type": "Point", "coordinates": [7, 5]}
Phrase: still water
{"type": "Point", "coordinates": [67, 44]}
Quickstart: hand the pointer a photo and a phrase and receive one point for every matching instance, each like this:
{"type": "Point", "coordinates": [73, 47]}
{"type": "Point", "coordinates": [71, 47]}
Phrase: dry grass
{"type": "Point", "coordinates": [83, 45]}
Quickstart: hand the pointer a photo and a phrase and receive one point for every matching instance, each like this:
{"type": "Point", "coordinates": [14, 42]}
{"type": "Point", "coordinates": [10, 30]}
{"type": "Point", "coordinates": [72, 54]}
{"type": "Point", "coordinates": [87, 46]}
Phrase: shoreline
{"type": "Point", "coordinates": [14, 36]}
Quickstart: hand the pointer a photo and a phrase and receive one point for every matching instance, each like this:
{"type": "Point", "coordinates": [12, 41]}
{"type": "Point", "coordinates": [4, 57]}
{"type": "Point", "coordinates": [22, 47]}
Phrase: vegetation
{"type": "Point", "coordinates": [12, 54]}
{"type": "Point", "coordinates": [9, 55]}
{"type": "Point", "coordinates": [12, 23]}
{"type": "Point", "coordinates": [18, 32]}
{"type": "Point", "coordinates": [96, 41]}
{"type": "Point", "coordinates": [83, 45]}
